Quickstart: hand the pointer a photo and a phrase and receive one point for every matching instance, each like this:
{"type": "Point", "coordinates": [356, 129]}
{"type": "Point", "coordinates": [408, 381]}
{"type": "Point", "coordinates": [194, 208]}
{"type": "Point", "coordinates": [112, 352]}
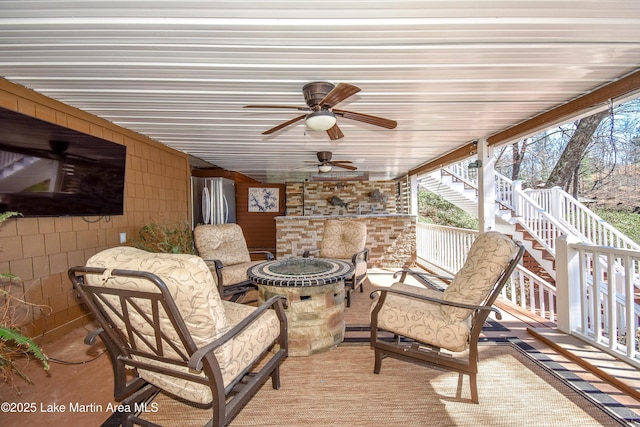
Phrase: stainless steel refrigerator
{"type": "Point", "coordinates": [213, 201]}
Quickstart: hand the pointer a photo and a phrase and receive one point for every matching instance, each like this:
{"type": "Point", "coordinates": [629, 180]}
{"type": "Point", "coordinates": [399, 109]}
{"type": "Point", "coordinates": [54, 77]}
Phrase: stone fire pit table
{"type": "Point", "coordinates": [314, 288]}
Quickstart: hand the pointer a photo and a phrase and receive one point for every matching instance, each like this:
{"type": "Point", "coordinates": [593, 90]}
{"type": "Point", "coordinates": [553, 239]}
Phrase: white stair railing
{"type": "Point", "coordinates": [534, 219]}
{"type": "Point", "coordinates": [446, 248]}
{"type": "Point", "coordinates": [537, 221]}
{"type": "Point", "coordinates": [505, 192]}
{"type": "Point", "coordinates": [461, 170]}
{"type": "Point", "coordinates": [580, 220]}
{"type": "Point", "coordinates": [547, 213]}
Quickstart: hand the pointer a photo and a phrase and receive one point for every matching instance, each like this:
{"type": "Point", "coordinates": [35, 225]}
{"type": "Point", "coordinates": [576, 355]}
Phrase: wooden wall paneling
{"type": "Point", "coordinates": [40, 250]}
{"type": "Point", "coordinates": [259, 227]}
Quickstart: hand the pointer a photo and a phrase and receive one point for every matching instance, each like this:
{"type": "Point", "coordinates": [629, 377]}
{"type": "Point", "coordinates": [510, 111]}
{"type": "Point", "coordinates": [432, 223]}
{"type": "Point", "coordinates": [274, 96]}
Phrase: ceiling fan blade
{"type": "Point", "coordinates": [341, 161]}
{"type": "Point", "coordinates": [344, 166]}
{"type": "Point", "coordinates": [367, 118]}
{"type": "Point", "coordinates": [283, 125]}
{"type": "Point", "coordinates": [338, 94]}
{"type": "Point", "coordinates": [335, 133]}
{"type": "Point", "coordinates": [278, 106]}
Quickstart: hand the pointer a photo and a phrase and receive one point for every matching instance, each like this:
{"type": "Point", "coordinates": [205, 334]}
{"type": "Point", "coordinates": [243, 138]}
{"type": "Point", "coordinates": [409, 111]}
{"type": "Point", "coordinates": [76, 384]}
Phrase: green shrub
{"type": "Point", "coordinates": [174, 239]}
{"type": "Point", "coordinates": [434, 209]}
{"type": "Point", "coordinates": [13, 344]}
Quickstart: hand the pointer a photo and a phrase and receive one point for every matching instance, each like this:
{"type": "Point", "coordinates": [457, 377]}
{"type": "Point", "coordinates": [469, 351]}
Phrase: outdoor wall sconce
{"type": "Point", "coordinates": [477, 164]}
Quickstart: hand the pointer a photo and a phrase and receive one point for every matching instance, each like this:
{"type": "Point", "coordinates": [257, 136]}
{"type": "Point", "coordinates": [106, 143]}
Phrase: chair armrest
{"type": "Point", "coordinates": [268, 255]}
{"type": "Point", "coordinates": [421, 277]}
{"type": "Point", "coordinates": [216, 262]}
{"type": "Point", "coordinates": [195, 361]}
{"type": "Point", "coordinates": [308, 252]}
{"type": "Point", "coordinates": [436, 300]}
{"type": "Point", "coordinates": [363, 254]}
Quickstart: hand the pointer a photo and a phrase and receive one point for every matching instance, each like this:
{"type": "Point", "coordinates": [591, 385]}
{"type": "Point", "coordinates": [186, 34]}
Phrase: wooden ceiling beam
{"type": "Point", "coordinates": [597, 99]}
{"type": "Point", "coordinates": [454, 156]}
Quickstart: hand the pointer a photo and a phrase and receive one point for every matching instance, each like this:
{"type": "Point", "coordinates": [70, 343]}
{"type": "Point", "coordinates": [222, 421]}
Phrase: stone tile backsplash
{"type": "Point", "coordinates": [360, 197]}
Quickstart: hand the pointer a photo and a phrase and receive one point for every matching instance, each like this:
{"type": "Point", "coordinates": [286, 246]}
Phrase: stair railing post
{"type": "Point", "coordinates": [567, 284]}
{"type": "Point", "coordinates": [556, 203]}
{"type": "Point", "coordinates": [517, 201]}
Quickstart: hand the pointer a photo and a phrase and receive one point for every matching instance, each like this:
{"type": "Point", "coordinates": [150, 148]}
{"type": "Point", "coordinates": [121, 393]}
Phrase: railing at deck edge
{"type": "Point", "coordinates": [602, 321]}
{"type": "Point", "coordinates": [445, 248]}
{"type": "Point", "coordinates": [598, 303]}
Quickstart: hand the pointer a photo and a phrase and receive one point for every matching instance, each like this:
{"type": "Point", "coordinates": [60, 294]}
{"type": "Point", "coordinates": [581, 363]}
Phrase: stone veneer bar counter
{"type": "Point", "coordinates": [391, 238]}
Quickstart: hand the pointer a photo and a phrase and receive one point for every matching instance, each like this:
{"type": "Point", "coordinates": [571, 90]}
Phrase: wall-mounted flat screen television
{"type": "Point", "coordinates": [50, 170]}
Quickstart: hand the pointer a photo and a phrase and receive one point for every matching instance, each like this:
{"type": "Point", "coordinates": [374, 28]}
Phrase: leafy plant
{"type": "Point", "coordinates": [436, 210]}
{"type": "Point", "coordinates": [13, 344]}
{"type": "Point", "coordinates": [174, 239]}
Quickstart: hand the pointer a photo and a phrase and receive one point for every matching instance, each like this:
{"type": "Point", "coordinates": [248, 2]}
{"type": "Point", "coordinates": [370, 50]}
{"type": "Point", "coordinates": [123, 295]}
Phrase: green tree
{"type": "Point", "coordinates": [567, 166]}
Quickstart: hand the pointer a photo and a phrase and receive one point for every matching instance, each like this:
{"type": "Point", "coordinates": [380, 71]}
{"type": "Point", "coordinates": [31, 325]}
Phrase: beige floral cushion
{"type": "Point", "coordinates": [342, 239]}
{"type": "Point", "coordinates": [361, 266]}
{"type": "Point", "coordinates": [224, 242]}
{"type": "Point", "coordinates": [206, 316]}
{"type": "Point", "coordinates": [488, 257]}
{"type": "Point", "coordinates": [441, 325]}
{"type": "Point", "coordinates": [237, 273]}
{"type": "Point", "coordinates": [422, 320]}
{"type": "Point", "coordinates": [250, 343]}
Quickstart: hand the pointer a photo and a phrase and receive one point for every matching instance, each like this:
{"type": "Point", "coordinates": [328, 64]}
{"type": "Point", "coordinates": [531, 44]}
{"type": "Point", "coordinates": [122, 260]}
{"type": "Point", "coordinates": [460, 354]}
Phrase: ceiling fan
{"type": "Point", "coordinates": [321, 97]}
{"type": "Point", "coordinates": [326, 164]}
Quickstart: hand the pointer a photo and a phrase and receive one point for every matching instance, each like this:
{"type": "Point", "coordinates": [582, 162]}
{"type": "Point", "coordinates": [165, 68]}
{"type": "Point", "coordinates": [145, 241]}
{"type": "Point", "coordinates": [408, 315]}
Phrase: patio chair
{"type": "Point", "coordinates": [441, 328]}
{"type": "Point", "coordinates": [224, 249]}
{"type": "Point", "coordinates": [167, 330]}
{"type": "Point", "coordinates": [345, 240]}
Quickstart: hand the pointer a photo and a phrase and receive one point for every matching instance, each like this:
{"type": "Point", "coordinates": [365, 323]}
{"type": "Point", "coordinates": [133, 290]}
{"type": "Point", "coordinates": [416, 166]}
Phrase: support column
{"type": "Point", "coordinates": [486, 187]}
{"type": "Point", "coordinates": [567, 284]}
{"type": "Point", "coordinates": [413, 207]}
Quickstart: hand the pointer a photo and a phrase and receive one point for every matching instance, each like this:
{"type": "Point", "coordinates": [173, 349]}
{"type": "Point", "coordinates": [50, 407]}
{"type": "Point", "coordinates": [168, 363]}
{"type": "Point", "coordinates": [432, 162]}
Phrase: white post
{"type": "Point", "coordinates": [556, 203]}
{"type": "Point", "coordinates": [413, 207]}
{"type": "Point", "coordinates": [567, 284]}
{"type": "Point", "coordinates": [517, 188]}
{"type": "Point", "coordinates": [486, 187]}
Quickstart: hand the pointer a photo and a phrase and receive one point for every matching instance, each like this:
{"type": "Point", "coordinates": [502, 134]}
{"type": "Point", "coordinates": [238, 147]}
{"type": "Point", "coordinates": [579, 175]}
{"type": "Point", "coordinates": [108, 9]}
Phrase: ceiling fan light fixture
{"type": "Point", "coordinates": [324, 168]}
{"type": "Point", "coordinates": [321, 120]}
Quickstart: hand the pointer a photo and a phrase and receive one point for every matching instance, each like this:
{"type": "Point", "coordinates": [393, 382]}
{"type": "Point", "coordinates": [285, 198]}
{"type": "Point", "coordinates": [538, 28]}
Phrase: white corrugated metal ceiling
{"type": "Point", "coordinates": [448, 72]}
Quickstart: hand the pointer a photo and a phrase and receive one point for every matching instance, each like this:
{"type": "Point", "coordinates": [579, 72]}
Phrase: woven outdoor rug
{"type": "Point", "coordinates": [339, 388]}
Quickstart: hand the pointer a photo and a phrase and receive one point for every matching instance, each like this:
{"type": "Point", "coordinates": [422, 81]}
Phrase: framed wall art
{"type": "Point", "coordinates": [264, 199]}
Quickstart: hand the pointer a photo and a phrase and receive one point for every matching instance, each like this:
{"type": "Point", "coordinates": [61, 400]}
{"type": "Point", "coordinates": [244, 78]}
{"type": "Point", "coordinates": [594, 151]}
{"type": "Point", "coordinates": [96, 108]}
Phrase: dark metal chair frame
{"type": "Point", "coordinates": [354, 282]}
{"type": "Point", "coordinates": [227, 402]}
{"type": "Point", "coordinates": [237, 290]}
{"type": "Point", "coordinates": [426, 354]}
